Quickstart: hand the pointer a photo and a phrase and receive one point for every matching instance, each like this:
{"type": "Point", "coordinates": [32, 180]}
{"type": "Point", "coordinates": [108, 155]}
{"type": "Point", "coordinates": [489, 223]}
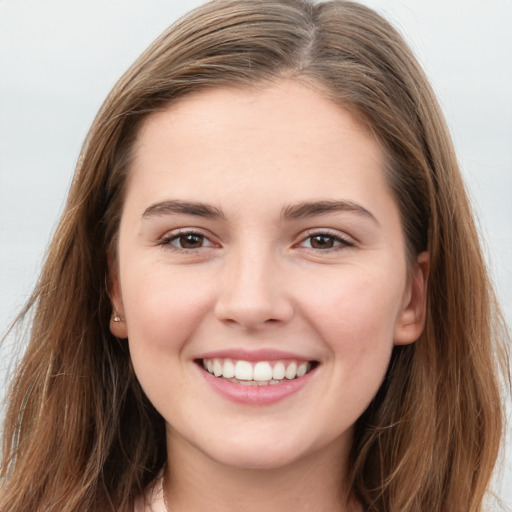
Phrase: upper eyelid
{"type": "Point", "coordinates": [299, 238]}
{"type": "Point", "coordinates": [176, 233]}
{"type": "Point", "coordinates": [340, 241]}
{"type": "Point", "coordinates": [335, 233]}
{"type": "Point", "coordinates": [187, 231]}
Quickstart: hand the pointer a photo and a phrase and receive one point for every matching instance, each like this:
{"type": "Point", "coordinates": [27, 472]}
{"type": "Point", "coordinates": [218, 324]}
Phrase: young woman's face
{"type": "Point", "coordinates": [259, 239]}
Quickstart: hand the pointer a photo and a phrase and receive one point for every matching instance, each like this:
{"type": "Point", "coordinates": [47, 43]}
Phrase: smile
{"type": "Point", "coordinates": [256, 373]}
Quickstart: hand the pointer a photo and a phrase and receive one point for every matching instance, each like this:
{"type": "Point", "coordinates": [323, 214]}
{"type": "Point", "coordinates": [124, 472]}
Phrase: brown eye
{"type": "Point", "coordinates": [189, 241]}
{"type": "Point", "coordinates": [186, 241]}
{"type": "Point", "coordinates": [322, 242]}
{"type": "Point", "coordinates": [326, 241]}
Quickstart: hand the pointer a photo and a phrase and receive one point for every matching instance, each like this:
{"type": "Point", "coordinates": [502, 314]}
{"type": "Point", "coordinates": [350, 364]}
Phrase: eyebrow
{"type": "Point", "coordinates": [311, 209]}
{"type": "Point", "coordinates": [292, 212]}
{"type": "Point", "coordinates": [173, 206]}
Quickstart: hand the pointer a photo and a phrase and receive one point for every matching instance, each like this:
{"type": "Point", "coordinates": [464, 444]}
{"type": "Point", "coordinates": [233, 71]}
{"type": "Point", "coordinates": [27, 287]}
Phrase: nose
{"type": "Point", "coordinates": [253, 292]}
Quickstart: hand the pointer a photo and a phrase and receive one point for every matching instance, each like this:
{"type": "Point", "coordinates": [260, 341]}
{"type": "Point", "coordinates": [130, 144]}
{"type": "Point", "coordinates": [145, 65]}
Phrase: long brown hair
{"type": "Point", "coordinates": [80, 435]}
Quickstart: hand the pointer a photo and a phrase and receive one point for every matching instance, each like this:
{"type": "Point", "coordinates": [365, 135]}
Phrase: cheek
{"type": "Point", "coordinates": [163, 308]}
{"type": "Point", "coordinates": [355, 315]}
{"type": "Point", "coordinates": [356, 304]}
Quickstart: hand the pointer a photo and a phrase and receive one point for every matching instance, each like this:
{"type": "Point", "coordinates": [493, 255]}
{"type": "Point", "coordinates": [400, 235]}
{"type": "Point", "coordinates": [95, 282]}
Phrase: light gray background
{"type": "Point", "coordinates": [59, 59]}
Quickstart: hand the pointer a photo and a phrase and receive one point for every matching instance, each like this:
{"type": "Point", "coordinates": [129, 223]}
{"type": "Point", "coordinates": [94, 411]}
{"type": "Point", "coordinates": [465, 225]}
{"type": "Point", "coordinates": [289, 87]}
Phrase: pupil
{"type": "Point", "coordinates": [322, 242]}
{"type": "Point", "coordinates": [191, 241]}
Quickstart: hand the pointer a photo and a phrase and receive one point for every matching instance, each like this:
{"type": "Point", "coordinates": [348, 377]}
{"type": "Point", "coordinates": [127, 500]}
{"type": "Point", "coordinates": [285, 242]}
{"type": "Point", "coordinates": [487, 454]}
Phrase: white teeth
{"type": "Point", "coordinates": [302, 369]}
{"type": "Point", "coordinates": [255, 382]}
{"type": "Point", "coordinates": [217, 368]}
{"type": "Point", "coordinates": [291, 371]}
{"type": "Point", "coordinates": [229, 369]}
{"type": "Point", "coordinates": [261, 373]}
{"type": "Point", "coordinates": [243, 370]}
{"type": "Point", "coordinates": [278, 371]}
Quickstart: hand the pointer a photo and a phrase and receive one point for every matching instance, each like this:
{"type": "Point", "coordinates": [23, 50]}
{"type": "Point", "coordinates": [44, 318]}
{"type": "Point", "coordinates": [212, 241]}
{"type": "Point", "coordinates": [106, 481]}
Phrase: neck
{"type": "Point", "coordinates": [194, 482]}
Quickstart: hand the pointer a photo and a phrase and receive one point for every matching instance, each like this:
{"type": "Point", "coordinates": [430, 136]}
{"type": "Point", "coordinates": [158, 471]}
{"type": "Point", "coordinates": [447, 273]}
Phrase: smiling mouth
{"type": "Point", "coordinates": [258, 373]}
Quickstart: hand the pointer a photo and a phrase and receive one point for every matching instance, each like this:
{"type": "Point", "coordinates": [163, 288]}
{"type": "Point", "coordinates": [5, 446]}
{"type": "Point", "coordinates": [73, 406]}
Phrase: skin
{"type": "Point", "coordinates": [260, 279]}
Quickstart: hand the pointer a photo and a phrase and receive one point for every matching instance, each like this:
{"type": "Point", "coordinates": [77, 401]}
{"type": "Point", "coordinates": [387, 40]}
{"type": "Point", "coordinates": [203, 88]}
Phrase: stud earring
{"type": "Point", "coordinates": [116, 318]}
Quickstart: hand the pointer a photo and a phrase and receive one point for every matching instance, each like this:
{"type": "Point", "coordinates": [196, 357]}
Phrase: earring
{"type": "Point", "coordinates": [117, 326]}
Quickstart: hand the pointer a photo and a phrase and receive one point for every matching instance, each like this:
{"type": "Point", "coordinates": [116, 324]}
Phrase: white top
{"type": "Point", "coordinates": [153, 498]}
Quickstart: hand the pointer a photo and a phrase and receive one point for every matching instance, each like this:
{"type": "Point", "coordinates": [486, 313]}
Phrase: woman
{"type": "Point", "coordinates": [266, 290]}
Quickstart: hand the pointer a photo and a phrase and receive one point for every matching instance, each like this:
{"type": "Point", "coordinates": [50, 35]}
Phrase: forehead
{"type": "Point", "coordinates": [221, 114]}
{"type": "Point", "coordinates": [280, 135]}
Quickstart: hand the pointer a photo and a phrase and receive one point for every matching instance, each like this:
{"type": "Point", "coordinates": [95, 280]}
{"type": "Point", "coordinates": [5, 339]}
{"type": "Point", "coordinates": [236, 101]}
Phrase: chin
{"type": "Point", "coordinates": [265, 451]}
{"type": "Point", "coordinates": [251, 458]}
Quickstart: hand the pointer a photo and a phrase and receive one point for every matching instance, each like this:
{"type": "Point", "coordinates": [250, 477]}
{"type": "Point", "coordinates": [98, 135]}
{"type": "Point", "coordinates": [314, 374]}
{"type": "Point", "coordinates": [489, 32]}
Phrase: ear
{"type": "Point", "coordinates": [117, 319]}
{"type": "Point", "coordinates": [411, 321]}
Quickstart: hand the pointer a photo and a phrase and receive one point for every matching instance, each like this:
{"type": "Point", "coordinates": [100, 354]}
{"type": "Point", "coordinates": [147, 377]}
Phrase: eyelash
{"type": "Point", "coordinates": [335, 237]}
{"type": "Point", "coordinates": [325, 233]}
{"type": "Point", "coordinates": [175, 236]}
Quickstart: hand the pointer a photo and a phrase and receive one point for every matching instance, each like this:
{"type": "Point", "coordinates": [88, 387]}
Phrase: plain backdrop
{"type": "Point", "coordinates": [59, 59]}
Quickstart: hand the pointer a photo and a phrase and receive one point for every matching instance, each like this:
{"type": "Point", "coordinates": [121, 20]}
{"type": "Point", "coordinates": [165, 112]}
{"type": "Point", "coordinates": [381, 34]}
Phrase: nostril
{"type": "Point", "coordinates": [253, 316]}
{"type": "Point", "coordinates": [251, 296]}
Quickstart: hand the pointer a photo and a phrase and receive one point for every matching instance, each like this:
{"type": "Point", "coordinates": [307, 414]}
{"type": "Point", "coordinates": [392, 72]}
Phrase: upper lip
{"type": "Point", "coordinates": [244, 354]}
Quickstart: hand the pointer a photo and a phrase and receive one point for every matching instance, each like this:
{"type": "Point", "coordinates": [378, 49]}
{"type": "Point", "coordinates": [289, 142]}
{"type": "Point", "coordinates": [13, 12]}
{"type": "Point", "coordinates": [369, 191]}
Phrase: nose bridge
{"type": "Point", "coordinates": [252, 291]}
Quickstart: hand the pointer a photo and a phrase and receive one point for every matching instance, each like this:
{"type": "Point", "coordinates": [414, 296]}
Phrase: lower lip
{"type": "Point", "coordinates": [255, 395]}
